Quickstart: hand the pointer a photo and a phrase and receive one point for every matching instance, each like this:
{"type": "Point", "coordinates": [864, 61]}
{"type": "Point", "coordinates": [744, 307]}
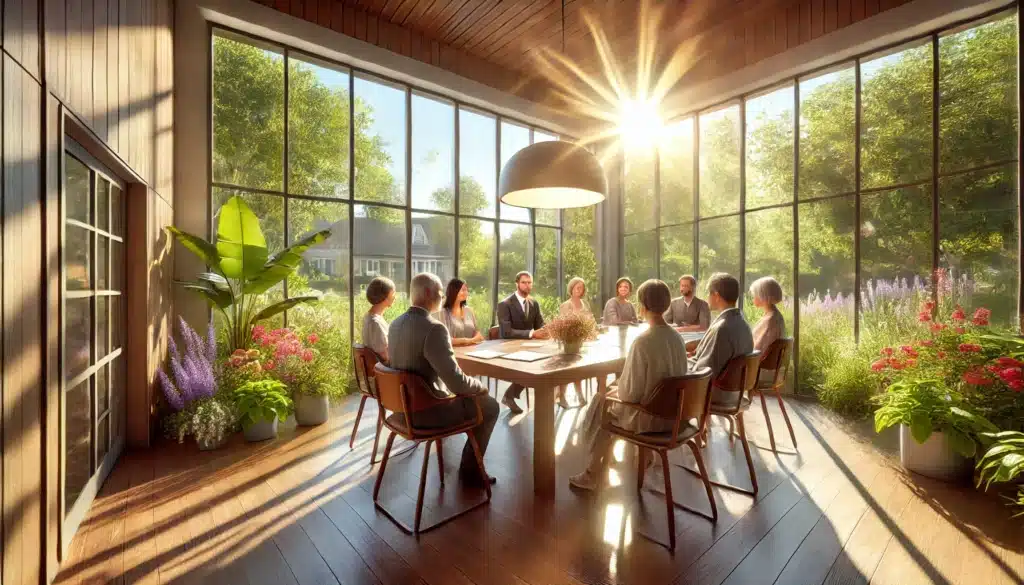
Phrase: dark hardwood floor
{"type": "Point", "coordinates": [299, 510]}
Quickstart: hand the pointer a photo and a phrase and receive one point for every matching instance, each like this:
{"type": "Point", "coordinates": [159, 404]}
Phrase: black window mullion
{"type": "Point", "coordinates": [935, 170]}
{"type": "Point", "coordinates": [796, 236]}
{"type": "Point", "coordinates": [857, 197]}
{"type": "Point", "coordinates": [284, 178]}
{"type": "Point", "coordinates": [742, 277]}
{"type": "Point", "coordinates": [696, 197]}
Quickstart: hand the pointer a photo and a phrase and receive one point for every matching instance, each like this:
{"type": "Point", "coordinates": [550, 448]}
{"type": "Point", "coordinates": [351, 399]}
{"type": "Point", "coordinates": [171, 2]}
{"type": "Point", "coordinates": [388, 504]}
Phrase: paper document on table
{"type": "Point", "coordinates": [535, 344]}
{"type": "Point", "coordinates": [525, 356]}
{"type": "Point", "coordinates": [485, 354]}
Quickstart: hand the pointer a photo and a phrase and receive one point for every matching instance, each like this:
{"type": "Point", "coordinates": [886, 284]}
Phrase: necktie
{"type": "Point", "coordinates": [526, 312]}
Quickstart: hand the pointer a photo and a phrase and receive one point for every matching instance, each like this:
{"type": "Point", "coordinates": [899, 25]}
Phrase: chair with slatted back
{"type": "Point", "coordinates": [685, 400]}
{"type": "Point", "coordinates": [775, 360]}
{"type": "Point", "coordinates": [403, 394]}
{"type": "Point", "coordinates": [730, 397]}
{"type": "Point", "coordinates": [364, 360]}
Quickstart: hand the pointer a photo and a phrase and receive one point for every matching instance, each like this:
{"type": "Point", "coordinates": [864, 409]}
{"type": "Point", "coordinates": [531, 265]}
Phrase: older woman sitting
{"type": "Point", "coordinates": [767, 293]}
{"type": "Point", "coordinates": [576, 303]}
{"type": "Point", "coordinates": [656, 354]}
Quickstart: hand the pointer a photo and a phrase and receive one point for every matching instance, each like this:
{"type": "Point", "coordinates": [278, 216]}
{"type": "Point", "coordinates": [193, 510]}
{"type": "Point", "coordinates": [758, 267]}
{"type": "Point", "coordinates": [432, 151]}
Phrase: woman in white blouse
{"type": "Point", "coordinates": [456, 315]}
{"type": "Point", "coordinates": [619, 311]}
{"type": "Point", "coordinates": [656, 354]}
{"type": "Point", "coordinates": [381, 294]}
{"type": "Point", "coordinates": [767, 293]}
{"type": "Point", "coordinates": [576, 291]}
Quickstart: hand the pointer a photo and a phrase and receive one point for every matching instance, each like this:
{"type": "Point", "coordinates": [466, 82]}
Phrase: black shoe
{"type": "Point", "coordinates": [510, 402]}
{"type": "Point", "coordinates": [474, 479]}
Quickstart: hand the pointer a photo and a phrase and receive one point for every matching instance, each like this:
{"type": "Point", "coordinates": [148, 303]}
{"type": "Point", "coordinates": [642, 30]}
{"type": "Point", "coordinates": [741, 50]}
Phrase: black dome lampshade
{"type": "Point", "coordinates": [552, 175]}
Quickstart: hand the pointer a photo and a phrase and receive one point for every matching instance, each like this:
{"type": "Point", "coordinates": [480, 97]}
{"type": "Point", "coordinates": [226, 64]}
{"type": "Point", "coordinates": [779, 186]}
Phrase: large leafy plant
{"type": "Point", "coordinates": [1003, 462]}
{"type": "Point", "coordinates": [242, 269]}
{"type": "Point", "coordinates": [262, 400]}
{"type": "Point", "coordinates": [926, 406]}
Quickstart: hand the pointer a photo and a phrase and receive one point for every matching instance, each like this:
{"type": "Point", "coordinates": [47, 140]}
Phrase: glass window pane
{"type": "Point", "coordinates": [102, 262]}
{"type": "Point", "coordinates": [978, 242]}
{"type": "Point", "coordinates": [248, 113]}
{"type": "Point", "coordinates": [116, 211]}
{"type": "Point", "coordinates": [380, 237]}
{"type": "Point", "coordinates": [324, 267]}
{"type": "Point", "coordinates": [770, 148]}
{"type": "Point", "coordinates": [541, 136]}
{"type": "Point", "coordinates": [102, 327]}
{"type": "Point", "coordinates": [77, 442]}
{"type": "Point", "coordinates": [77, 336]}
{"type": "Point", "coordinates": [433, 153]}
{"type": "Point", "coordinates": [579, 251]}
{"type": "Point", "coordinates": [268, 208]}
{"type": "Point", "coordinates": [102, 389]}
{"type": "Point", "coordinates": [513, 139]}
{"type": "Point", "coordinates": [77, 190]}
{"type": "Point", "coordinates": [102, 204]}
{"type": "Point", "coordinates": [676, 253]}
{"type": "Point", "coordinates": [318, 126]}
{"type": "Point", "coordinates": [545, 273]}
{"type": "Point", "coordinates": [478, 174]}
{"type": "Point", "coordinates": [896, 261]}
{"type": "Point", "coordinates": [380, 141]}
{"type": "Point", "coordinates": [719, 241]}
{"type": "Point", "coordinates": [896, 121]}
{"type": "Point", "coordinates": [639, 252]}
{"type": "Point", "coordinates": [638, 192]}
{"type": "Point", "coordinates": [827, 134]}
{"type": "Point", "coordinates": [77, 255]}
{"type": "Point", "coordinates": [433, 245]}
{"type": "Point", "coordinates": [770, 253]}
{"type": "Point", "coordinates": [476, 266]}
{"type": "Point", "coordinates": [516, 254]}
{"type": "Point", "coordinates": [676, 173]}
{"type": "Point", "coordinates": [720, 161]}
{"type": "Point", "coordinates": [978, 95]}
{"type": "Point", "coordinates": [827, 273]}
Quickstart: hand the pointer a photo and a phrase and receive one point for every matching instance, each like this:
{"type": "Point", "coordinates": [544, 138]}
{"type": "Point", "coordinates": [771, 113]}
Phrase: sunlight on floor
{"type": "Point", "coordinates": [618, 528]}
{"type": "Point", "coordinates": [614, 479]}
{"type": "Point", "coordinates": [566, 423]}
{"type": "Point", "coordinates": [619, 451]}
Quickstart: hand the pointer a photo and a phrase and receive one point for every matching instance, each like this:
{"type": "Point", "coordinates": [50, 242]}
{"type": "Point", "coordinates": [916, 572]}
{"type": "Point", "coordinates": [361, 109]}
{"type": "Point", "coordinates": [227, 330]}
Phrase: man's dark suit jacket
{"type": "Point", "coordinates": [513, 324]}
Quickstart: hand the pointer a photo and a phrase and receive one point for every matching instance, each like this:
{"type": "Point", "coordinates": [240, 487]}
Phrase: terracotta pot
{"type": "Point", "coordinates": [934, 458]}
{"type": "Point", "coordinates": [311, 409]}
{"type": "Point", "coordinates": [261, 431]}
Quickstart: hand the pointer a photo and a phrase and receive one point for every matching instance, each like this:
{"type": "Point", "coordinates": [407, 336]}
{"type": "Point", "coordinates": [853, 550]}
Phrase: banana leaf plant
{"type": "Point", "coordinates": [241, 269]}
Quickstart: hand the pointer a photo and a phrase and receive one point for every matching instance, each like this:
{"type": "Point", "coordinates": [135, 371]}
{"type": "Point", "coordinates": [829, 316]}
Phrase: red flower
{"type": "Point", "coordinates": [993, 369]}
{"type": "Point", "coordinates": [879, 365]}
{"type": "Point", "coordinates": [1016, 385]}
{"type": "Point", "coordinates": [1009, 362]}
{"type": "Point", "coordinates": [924, 316]}
{"type": "Point", "coordinates": [936, 327]}
{"type": "Point", "coordinates": [897, 364]}
{"type": "Point", "coordinates": [958, 314]}
{"type": "Point", "coordinates": [961, 330]}
{"type": "Point", "coordinates": [981, 317]}
{"type": "Point", "coordinates": [887, 351]}
{"type": "Point", "coordinates": [1010, 374]}
{"type": "Point", "coordinates": [307, 356]}
{"type": "Point", "coordinates": [313, 338]}
{"type": "Point", "coordinates": [270, 365]}
{"type": "Point", "coordinates": [927, 306]}
{"type": "Point", "coordinates": [910, 351]}
{"type": "Point", "coordinates": [976, 378]}
{"type": "Point", "coordinates": [969, 348]}
{"type": "Point", "coordinates": [258, 331]}
{"type": "Point", "coordinates": [940, 355]}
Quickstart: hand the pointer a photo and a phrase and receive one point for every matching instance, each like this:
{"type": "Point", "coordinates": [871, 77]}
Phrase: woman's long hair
{"type": "Point", "coordinates": [452, 292]}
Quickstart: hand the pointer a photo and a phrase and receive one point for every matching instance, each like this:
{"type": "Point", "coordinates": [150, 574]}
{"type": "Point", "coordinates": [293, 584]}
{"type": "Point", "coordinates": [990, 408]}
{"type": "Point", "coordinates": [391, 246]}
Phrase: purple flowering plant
{"type": "Point", "coordinates": [191, 371]}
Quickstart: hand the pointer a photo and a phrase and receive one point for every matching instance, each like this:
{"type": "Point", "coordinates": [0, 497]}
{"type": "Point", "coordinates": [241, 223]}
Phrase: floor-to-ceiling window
{"type": "Point", "coordinates": [864, 188]}
{"type": "Point", "coordinates": [406, 179]}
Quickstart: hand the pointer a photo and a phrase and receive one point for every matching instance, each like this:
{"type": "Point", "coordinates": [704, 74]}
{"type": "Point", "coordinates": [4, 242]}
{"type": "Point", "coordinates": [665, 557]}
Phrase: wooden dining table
{"type": "Point", "coordinates": [598, 359]}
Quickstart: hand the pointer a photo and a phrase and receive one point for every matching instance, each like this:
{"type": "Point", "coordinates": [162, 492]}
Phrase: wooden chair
{"type": "Point", "coordinates": [364, 360]}
{"type": "Point", "coordinates": [403, 394]}
{"type": "Point", "coordinates": [775, 359]}
{"type": "Point", "coordinates": [685, 400]}
{"type": "Point", "coordinates": [730, 398]}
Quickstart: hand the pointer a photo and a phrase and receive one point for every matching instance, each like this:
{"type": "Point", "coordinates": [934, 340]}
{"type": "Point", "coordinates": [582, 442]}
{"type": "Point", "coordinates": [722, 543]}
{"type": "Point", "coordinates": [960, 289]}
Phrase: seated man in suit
{"type": "Point", "coordinates": [421, 344]}
{"type": "Point", "coordinates": [729, 335]}
{"type": "Point", "coordinates": [687, 312]}
{"type": "Point", "coordinates": [519, 318]}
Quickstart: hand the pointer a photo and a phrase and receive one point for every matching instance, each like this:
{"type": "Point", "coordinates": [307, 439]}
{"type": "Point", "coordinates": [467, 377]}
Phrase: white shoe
{"type": "Point", "coordinates": [584, 481]}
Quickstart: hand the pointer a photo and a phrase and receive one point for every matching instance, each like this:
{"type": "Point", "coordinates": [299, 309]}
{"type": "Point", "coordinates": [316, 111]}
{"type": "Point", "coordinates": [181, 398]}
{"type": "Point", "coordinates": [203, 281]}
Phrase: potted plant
{"type": "Point", "coordinates": [191, 391]}
{"type": "Point", "coordinates": [260, 404]}
{"type": "Point", "coordinates": [570, 331]}
{"type": "Point", "coordinates": [293, 359]}
{"type": "Point", "coordinates": [1004, 462]}
{"type": "Point", "coordinates": [938, 437]}
{"type": "Point", "coordinates": [242, 270]}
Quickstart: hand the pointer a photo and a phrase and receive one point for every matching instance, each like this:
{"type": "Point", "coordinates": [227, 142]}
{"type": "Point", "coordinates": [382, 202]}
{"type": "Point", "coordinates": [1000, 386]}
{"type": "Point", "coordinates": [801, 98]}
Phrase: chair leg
{"type": "Point", "coordinates": [383, 466]}
{"type": "Point", "coordinates": [746, 451]}
{"type": "Point", "coordinates": [440, 461]}
{"type": "Point", "coordinates": [527, 392]}
{"type": "Point", "coordinates": [423, 485]}
{"type": "Point", "coordinates": [732, 430]}
{"type": "Point", "coordinates": [355, 427]}
{"type": "Point", "coordinates": [641, 466]}
{"type": "Point", "coordinates": [669, 502]}
{"type": "Point", "coordinates": [376, 434]}
{"type": "Point", "coordinates": [707, 480]}
{"type": "Point", "coordinates": [782, 407]}
{"type": "Point", "coordinates": [479, 461]}
{"type": "Point", "coordinates": [767, 420]}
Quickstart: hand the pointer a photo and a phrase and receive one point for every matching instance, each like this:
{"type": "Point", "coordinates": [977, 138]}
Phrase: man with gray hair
{"type": "Point", "coordinates": [420, 344]}
{"type": "Point", "coordinates": [729, 335]}
{"type": "Point", "coordinates": [687, 312]}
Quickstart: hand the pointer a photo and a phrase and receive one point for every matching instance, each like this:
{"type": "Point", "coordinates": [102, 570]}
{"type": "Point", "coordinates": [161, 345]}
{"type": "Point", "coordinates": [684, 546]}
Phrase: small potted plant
{"type": "Point", "coordinates": [938, 436]}
{"type": "Point", "coordinates": [293, 359]}
{"type": "Point", "coordinates": [570, 331]}
{"type": "Point", "coordinates": [260, 404]}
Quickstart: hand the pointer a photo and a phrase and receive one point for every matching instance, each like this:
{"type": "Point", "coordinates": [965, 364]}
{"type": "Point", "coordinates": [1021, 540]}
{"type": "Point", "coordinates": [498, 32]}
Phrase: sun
{"type": "Point", "coordinates": [640, 125]}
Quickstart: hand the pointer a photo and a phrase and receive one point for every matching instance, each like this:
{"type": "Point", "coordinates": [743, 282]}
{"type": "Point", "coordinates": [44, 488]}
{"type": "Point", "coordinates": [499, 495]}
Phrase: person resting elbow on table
{"type": "Point", "coordinates": [656, 354]}
{"type": "Point", "coordinates": [457, 317]}
{"type": "Point", "coordinates": [619, 311]}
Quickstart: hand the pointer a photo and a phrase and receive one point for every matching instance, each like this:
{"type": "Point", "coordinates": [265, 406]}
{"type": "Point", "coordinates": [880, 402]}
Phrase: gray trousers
{"type": "Point", "coordinates": [459, 411]}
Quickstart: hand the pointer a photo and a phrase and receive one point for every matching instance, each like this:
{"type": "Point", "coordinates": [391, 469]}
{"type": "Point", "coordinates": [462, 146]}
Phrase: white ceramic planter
{"type": "Point", "coordinates": [934, 458]}
{"type": "Point", "coordinates": [261, 431]}
{"type": "Point", "coordinates": [311, 410]}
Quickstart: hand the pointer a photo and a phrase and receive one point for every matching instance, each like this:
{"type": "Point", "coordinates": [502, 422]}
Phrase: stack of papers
{"type": "Point", "coordinates": [525, 356]}
{"type": "Point", "coordinates": [485, 354]}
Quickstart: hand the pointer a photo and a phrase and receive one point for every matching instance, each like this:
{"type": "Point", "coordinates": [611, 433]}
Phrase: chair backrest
{"type": "Point", "coordinates": [364, 360]}
{"type": "Point", "coordinates": [776, 358]}
{"type": "Point", "coordinates": [682, 398]}
{"type": "Point", "coordinates": [739, 376]}
{"type": "Point", "coordinates": [494, 333]}
{"type": "Point", "coordinates": [402, 392]}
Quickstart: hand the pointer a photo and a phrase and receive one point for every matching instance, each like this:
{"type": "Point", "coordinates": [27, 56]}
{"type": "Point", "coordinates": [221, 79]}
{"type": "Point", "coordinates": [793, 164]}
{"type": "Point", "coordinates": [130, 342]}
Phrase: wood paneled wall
{"type": "Point", "coordinates": [103, 68]}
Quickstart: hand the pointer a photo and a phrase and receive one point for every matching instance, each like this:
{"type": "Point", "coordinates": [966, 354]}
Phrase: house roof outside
{"type": "Point", "coordinates": [379, 239]}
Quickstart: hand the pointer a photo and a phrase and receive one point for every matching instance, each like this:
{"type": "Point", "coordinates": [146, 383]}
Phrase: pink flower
{"type": "Point", "coordinates": [307, 355]}
{"type": "Point", "coordinates": [887, 351]}
{"type": "Point", "coordinates": [270, 365]}
{"type": "Point", "coordinates": [976, 378]}
{"type": "Point", "coordinates": [981, 317]}
{"type": "Point", "coordinates": [313, 338]}
{"type": "Point", "coordinates": [924, 316]}
{"type": "Point", "coordinates": [969, 348]}
{"type": "Point", "coordinates": [910, 351]}
{"type": "Point", "coordinates": [958, 314]}
{"type": "Point", "coordinates": [258, 331]}
{"type": "Point", "coordinates": [879, 365]}
{"type": "Point", "coordinates": [1009, 362]}
{"type": "Point", "coordinates": [1016, 385]}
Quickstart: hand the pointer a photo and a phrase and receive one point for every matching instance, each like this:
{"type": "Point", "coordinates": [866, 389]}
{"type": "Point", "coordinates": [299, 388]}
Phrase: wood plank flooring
{"type": "Point", "coordinates": [299, 510]}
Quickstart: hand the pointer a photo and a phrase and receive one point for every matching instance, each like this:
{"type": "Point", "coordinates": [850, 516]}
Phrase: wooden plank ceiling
{"type": "Point", "coordinates": [497, 41]}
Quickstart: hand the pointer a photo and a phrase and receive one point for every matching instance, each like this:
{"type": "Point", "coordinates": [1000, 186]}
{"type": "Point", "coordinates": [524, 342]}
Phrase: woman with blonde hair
{"type": "Point", "coordinates": [618, 310]}
{"type": "Point", "coordinates": [767, 293]}
{"type": "Point", "coordinates": [576, 303]}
